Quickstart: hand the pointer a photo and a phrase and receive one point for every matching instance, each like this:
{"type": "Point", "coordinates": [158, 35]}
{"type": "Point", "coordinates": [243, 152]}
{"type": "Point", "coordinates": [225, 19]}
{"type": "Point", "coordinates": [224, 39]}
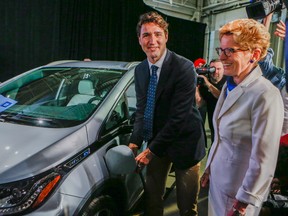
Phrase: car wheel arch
{"type": "Point", "coordinates": [113, 188]}
{"type": "Point", "coordinates": [103, 205]}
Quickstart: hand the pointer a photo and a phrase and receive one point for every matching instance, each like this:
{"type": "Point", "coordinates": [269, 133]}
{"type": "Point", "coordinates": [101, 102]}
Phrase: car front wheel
{"type": "Point", "coordinates": [101, 206]}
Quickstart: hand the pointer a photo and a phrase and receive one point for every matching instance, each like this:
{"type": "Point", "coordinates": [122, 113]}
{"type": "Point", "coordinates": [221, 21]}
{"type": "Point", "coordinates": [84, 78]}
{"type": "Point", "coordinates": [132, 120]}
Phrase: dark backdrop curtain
{"type": "Point", "coordinates": [36, 32]}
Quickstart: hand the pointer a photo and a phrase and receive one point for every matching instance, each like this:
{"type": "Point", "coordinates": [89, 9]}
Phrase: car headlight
{"type": "Point", "coordinates": [26, 194]}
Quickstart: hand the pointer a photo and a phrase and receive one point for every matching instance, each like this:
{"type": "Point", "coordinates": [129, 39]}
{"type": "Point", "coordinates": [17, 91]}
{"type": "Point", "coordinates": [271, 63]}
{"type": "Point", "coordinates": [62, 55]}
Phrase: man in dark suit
{"type": "Point", "coordinates": [177, 134]}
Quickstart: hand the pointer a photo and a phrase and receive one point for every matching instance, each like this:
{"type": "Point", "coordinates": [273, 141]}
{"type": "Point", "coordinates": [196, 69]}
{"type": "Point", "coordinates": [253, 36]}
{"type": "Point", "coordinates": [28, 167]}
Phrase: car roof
{"type": "Point", "coordinates": [119, 65]}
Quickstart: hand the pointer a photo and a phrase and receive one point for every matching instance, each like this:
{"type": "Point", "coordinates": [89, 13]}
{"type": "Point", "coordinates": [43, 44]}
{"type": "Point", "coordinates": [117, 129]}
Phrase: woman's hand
{"type": "Point", "coordinates": [204, 180]}
{"type": "Point", "coordinates": [239, 208]}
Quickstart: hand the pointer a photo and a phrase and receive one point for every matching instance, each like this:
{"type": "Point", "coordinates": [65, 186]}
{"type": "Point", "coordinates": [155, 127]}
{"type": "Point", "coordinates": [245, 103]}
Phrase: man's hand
{"type": "Point", "coordinates": [281, 27]}
{"type": "Point", "coordinates": [198, 98]}
{"type": "Point", "coordinates": [204, 180]}
{"type": "Point", "coordinates": [276, 186]}
{"type": "Point", "coordinates": [207, 83]}
{"type": "Point", "coordinates": [144, 158]}
{"type": "Point", "coordinates": [134, 148]}
{"type": "Point", "coordinates": [280, 30]}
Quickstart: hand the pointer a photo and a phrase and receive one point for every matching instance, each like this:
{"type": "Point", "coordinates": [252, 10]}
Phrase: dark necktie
{"type": "Point", "coordinates": [149, 110]}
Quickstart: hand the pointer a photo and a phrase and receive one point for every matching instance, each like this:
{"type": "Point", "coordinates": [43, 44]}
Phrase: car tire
{"type": "Point", "coordinates": [101, 206]}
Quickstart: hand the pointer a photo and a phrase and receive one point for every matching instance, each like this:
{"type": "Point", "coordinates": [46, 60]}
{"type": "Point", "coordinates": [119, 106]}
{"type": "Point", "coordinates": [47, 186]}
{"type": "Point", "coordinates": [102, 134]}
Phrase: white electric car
{"type": "Point", "coordinates": [57, 123]}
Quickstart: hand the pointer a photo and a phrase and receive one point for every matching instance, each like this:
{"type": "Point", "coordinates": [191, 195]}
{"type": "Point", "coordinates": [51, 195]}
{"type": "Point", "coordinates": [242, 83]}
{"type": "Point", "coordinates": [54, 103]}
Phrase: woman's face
{"type": "Point", "coordinates": [237, 64]}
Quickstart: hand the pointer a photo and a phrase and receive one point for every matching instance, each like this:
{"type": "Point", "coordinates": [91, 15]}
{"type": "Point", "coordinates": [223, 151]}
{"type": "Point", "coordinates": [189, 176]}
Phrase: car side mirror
{"type": "Point", "coordinates": [120, 160]}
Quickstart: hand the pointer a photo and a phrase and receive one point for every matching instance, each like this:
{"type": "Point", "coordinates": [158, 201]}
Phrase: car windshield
{"type": "Point", "coordinates": [55, 96]}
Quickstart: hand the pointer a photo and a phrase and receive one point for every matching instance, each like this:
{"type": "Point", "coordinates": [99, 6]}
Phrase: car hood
{"type": "Point", "coordinates": [26, 151]}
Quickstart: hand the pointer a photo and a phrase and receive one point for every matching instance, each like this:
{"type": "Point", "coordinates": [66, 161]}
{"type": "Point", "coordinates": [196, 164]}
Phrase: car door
{"type": "Point", "coordinates": [120, 123]}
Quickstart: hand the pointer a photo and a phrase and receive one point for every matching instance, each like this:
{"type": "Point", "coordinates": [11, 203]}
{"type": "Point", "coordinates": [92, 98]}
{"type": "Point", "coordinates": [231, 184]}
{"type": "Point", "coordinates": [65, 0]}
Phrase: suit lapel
{"type": "Point", "coordinates": [232, 97]}
{"type": "Point", "coordinates": [144, 75]}
{"type": "Point", "coordinates": [164, 75]}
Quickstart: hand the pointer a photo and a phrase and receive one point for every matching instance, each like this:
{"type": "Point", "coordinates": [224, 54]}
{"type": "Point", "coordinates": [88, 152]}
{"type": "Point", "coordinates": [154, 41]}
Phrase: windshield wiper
{"type": "Point", "coordinates": [18, 118]}
{"type": "Point", "coordinates": [29, 120]}
{"type": "Point", "coordinates": [5, 117]}
{"type": "Point", "coordinates": [11, 118]}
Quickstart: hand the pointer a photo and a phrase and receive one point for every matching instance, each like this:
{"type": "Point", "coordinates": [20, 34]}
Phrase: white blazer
{"type": "Point", "coordinates": [248, 124]}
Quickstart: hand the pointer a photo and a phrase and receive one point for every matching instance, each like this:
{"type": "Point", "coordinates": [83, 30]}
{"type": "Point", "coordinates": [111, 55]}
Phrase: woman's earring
{"type": "Point", "coordinates": [251, 61]}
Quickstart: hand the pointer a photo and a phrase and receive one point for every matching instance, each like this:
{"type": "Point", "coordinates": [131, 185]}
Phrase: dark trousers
{"type": "Point", "coordinates": [187, 187]}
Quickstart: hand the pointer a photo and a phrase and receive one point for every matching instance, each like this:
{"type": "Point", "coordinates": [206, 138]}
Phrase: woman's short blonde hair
{"type": "Point", "coordinates": [248, 33]}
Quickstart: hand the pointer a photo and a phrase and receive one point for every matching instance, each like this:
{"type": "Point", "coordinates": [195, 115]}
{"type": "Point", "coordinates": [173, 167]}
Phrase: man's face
{"type": "Point", "coordinates": [218, 74]}
{"type": "Point", "coordinates": [153, 41]}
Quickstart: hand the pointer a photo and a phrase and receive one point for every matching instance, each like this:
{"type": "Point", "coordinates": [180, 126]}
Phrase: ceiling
{"type": "Point", "coordinates": [195, 10]}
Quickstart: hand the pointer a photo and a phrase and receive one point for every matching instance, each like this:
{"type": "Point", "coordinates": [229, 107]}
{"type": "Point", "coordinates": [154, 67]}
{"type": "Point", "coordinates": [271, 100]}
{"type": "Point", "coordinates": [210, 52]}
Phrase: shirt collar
{"type": "Point", "coordinates": [159, 63]}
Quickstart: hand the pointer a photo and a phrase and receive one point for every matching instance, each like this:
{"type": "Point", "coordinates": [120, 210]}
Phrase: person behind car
{"type": "Point", "coordinates": [200, 62]}
{"type": "Point", "coordinates": [202, 107]}
{"type": "Point", "coordinates": [176, 135]}
{"type": "Point", "coordinates": [276, 74]}
{"type": "Point", "coordinates": [211, 88]}
{"type": "Point", "coordinates": [276, 203]}
{"type": "Point", "coordinates": [249, 118]}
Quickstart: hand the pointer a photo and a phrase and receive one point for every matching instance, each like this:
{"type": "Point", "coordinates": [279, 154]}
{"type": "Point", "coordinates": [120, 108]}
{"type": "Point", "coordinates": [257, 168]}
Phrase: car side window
{"type": "Point", "coordinates": [131, 98]}
{"type": "Point", "coordinates": [118, 115]}
{"type": "Point", "coordinates": [124, 108]}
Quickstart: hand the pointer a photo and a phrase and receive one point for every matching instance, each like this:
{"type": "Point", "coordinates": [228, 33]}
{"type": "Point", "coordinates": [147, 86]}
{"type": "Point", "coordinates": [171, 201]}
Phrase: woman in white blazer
{"type": "Point", "coordinates": [248, 120]}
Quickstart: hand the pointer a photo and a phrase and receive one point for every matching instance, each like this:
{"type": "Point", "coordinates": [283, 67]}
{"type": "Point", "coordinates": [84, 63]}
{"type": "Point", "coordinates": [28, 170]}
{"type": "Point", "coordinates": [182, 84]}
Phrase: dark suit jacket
{"type": "Point", "coordinates": [177, 126]}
